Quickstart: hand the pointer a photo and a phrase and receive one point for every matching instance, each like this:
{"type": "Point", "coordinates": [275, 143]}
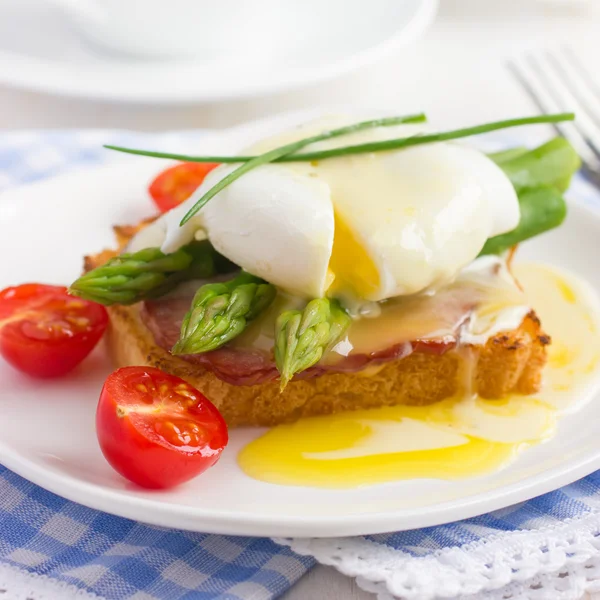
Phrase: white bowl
{"type": "Point", "coordinates": [269, 53]}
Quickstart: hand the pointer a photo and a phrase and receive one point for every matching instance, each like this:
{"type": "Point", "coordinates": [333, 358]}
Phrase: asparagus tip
{"type": "Point", "coordinates": [284, 379]}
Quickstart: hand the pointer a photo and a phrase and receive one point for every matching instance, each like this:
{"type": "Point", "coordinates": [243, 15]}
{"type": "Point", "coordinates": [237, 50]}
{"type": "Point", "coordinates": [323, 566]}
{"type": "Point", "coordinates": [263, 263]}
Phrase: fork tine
{"type": "Point", "coordinates": [580, 85]}
{"type": "Point", "coordinates": [564, 98]}
{"type": "Point", "coordinates": [582, 71]}
{"type": "Point", "coordinates": [545, 106]}
{"type": "Point", "coordinates": [532, 93]}
{"type": "Point", "coordinates": [547, 88]}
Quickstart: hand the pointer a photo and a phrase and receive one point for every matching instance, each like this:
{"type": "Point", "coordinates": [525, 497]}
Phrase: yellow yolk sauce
{"type": "Point", "coordinates": [456, 438]}
{"type": "Point", "coordinates": [569, 311]}
{"type": "Point", "coordinates": [441, 441]}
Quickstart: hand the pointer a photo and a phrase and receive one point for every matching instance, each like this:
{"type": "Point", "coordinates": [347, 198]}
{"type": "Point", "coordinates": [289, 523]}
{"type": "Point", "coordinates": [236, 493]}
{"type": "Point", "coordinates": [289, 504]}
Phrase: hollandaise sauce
{"type": "Point", "coordinates": [460, 437]}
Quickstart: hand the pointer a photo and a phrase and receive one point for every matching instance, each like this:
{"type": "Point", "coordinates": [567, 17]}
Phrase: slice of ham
{"type": "Point", "coordinates": [247, 366]}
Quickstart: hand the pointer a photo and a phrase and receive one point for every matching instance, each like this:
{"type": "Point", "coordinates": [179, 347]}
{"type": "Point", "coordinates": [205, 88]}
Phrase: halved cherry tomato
{"type": "Point", "coordinates": [44, 332]}
{"type": "Point", "coordinates": [176, 184]}
{"type": "Point", "coordinates": [155, 429]}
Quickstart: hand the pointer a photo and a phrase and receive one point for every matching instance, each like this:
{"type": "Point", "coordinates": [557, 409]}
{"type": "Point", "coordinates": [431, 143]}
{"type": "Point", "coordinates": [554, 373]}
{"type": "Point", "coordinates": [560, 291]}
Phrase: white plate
{"type": "Point", "coordinates": [39, 51]}
{"type": "Point", "coordinates": [47, 429]}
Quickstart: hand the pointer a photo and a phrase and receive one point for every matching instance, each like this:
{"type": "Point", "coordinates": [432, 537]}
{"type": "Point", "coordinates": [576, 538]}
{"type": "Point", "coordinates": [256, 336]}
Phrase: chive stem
{"type": "Point", "coordinates": [276, 153]}
{"type": "Point", "coordinates": [287, 153]}
{"type": "Point", "coordinates": [443, 136]}
{"type": "Point", "coordinates": [373, 147]}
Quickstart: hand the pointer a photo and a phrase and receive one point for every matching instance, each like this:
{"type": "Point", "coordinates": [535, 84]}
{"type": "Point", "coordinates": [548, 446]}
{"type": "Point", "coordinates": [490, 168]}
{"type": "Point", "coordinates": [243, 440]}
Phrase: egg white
{"type": "Point", "coordinates": [411, 218]}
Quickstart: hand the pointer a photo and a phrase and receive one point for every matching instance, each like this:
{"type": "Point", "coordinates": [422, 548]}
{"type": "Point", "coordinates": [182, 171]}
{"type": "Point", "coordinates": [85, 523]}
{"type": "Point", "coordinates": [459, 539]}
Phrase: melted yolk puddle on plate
{"type": "Point", "coordinates": [453, 439]}
{"type": "Point", "coordinates": [402, 442]}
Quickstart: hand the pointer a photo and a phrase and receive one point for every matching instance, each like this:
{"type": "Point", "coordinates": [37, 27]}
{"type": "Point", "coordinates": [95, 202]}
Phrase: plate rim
{"type": "Point", "coordinates": [196, 518]}
{"type": "Point", "coordinates": [19, 71]}
{"type": "Point", "coordinates": [218, 522]}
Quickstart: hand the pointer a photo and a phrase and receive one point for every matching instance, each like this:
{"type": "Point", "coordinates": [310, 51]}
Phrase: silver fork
{"type": "Point", "coordinates": [557, 81]}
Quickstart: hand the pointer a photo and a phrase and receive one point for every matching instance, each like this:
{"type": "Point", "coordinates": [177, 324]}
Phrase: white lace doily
{"type": "Point", "coordinates": [560, 562]}
{"type": "Point", "coordinates": [16, 584]}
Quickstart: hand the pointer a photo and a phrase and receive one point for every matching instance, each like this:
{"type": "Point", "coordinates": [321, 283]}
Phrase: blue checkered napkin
{"type": "Point", "coordinates": [105, 555]}
{"type": "Point", "coordinates": [28, 156]}
{"type": "Point", "coordinates": [117, 558]}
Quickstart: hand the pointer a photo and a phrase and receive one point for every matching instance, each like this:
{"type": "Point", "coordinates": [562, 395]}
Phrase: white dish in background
{"type": "Point", "coordinates": [40, 51]}
{"type": "Point", "coordinates": [187, 28]}
{"type": "Point", "coordinates": [47, 428]}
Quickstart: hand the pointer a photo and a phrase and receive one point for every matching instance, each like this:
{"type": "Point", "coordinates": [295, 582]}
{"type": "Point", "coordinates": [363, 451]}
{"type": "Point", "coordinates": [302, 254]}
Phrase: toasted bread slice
{"type": "Point", "coordinates": [508, 363]}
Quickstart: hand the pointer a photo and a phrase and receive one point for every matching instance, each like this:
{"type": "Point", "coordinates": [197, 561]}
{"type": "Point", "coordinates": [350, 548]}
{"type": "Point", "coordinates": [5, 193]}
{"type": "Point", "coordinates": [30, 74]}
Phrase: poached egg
{"type": "Point", "coordinates": [370, 226]}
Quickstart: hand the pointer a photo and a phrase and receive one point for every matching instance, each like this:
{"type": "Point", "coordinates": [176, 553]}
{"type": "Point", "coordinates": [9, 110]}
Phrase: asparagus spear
{"type": "Point", "coordinates": [301, 337]}
{"type": "Point", "coordinates": [221, 311]}
{"type": "Point", "coordinates": [542, 208]}
{"type": "Point", "coordinates": [148, 273]}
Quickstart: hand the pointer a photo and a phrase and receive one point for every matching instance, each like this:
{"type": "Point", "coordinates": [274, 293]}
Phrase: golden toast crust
{"type": "Point", "coordinates": [511, 362]}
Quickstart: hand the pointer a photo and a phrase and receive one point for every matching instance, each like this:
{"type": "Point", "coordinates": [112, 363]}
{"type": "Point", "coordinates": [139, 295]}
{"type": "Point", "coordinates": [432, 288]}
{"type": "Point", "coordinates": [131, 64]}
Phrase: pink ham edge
{"type": "Point", "coordinates": [243, 366]}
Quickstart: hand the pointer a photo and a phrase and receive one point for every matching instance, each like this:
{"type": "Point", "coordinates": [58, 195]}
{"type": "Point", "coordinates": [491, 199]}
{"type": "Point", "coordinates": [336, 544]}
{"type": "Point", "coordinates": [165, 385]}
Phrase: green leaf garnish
{"type": "Point", "coordinates": [542, 209]}
{"type": "Point", "coordinates": [552, 164]}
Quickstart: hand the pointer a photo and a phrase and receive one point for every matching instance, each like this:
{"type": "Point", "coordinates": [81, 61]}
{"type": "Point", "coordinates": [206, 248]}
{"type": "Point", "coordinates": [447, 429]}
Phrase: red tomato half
{"type": "Point", "coordinates": [45, 332]}
{"type": "Point", "coordinates": [176, 184]}
{"type": "Point", "coordinates": [155, 429]}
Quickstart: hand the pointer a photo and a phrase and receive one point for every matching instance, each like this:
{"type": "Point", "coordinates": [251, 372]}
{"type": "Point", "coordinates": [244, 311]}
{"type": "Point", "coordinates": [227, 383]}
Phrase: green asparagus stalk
{"type": "Point", "coordinates": [149, 273]}
{"type": "Point", "coordinates": [221, 311]}
{"type": "Point", "coordinates": [302, 337]}
{"type": "Point", "coordinates": [542, 209]}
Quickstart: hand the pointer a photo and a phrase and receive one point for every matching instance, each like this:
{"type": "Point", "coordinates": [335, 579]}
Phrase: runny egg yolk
{"type": "Point", "coordinates": [351, 268]}
{"type": "Point", "coordinates": [460, 437]}
{"type": "Point", "coordinates": [386, 444]}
